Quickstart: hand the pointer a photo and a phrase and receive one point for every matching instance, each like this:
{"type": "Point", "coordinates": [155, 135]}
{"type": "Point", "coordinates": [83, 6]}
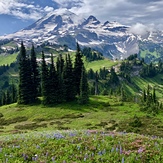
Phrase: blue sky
{"type": "Point", "coordinates": [18, 14]}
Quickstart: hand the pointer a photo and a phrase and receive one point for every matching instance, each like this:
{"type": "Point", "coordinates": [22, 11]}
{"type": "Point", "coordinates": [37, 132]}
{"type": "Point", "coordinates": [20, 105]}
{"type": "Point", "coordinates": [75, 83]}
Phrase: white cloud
{"type": "Point", "coordinates": [22, 10]}
{"type": "Point", "coordinates": [139, 29]}
{"type": "Point", "coordinates": [48, 9]}
{"type": "Point", "coordinates": [126, 12]}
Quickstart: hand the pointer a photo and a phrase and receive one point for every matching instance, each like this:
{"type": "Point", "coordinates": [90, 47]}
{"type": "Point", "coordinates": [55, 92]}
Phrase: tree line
{"type": "Point", "coordinates": [57, 82]}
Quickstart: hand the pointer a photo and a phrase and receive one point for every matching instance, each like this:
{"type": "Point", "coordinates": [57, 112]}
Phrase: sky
{"type": "Point", "coordinates": [141, 15]}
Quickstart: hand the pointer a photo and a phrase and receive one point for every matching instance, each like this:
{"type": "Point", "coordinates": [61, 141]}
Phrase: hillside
{"type": "Point", "coordinates": [102, 112]}
{"type": "Point", "coordinates": [133, 87]}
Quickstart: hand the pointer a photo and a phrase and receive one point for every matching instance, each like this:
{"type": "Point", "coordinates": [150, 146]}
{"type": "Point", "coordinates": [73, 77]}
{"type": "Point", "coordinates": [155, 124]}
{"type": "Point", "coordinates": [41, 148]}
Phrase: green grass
{"type": "Point", "coordinates": [102, 112]}
{"type": "Point", "coordinates": [8, 59]}
{"type": "Point", "coordinates": [95, 132]}
{"type": "Point", "coordinates": [145, 52]}
{"type": "Point", "coordinates": [11, 44]}
{"type": "Point", "coordinates": [139, 84]}
{"type": "Point", "coordinates": [96, 65]}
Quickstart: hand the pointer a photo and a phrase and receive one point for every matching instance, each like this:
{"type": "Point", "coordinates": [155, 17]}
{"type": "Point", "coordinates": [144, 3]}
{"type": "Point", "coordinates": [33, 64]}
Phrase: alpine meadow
{"type": "Point", "coordinates": [77, 89]}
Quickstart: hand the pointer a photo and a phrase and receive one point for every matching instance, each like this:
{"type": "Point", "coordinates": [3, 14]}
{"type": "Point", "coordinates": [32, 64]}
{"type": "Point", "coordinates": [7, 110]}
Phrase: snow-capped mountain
{"type": "Point", "coordinates": [64, 27]}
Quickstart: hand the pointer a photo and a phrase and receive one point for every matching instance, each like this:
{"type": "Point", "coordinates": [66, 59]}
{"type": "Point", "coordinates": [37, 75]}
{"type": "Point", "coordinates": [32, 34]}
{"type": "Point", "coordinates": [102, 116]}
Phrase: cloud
{"type": "Point", "coordinates": [48, 9]}
{"type": "Point", "coordinates": [126, 12]}
{"type": "Point", "coordinates": [69, 3]}
{"type": "Point", "coordinates": [139, 29]}
{"type": "Point", "coordinates": [22, 9]}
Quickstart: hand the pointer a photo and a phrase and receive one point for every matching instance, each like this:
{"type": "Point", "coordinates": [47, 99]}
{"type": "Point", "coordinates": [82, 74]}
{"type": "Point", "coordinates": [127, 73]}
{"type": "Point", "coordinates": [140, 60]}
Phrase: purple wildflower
{"type": "Point", "coordinates": [140, 150]}
{"type": "Point", "coordinates": [123, 159]}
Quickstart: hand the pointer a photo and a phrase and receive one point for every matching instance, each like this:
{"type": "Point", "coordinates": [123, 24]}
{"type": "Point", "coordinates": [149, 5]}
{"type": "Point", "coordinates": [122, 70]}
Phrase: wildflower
{"type": "Point", "coordinates": [86, 155]}
{"type": "Point", "coordinates": [47, 154]}
{"type": "Point", "coordinates": [112, 150]}
{"type": "Point", "coordinates": [104, 151]}
{"type": "Point", "coordinates": [72, 134]}
{"type": "Point", "coordinates": [53, 159]}
{"type": "Point", "coordinates": [100, 153]}
{"type": "Point", "coordinates": [140, 150]}
{"type": "Point", "coordinates": [123, 159]}
{"type": "Point", "coordinates": [78, 147]}
{"type": "Point", "coordinates": [120, 149]}
{"type": "Point", "coordinates": [37, 146]}
{"type": "Point", "coordinates": [6, 160]}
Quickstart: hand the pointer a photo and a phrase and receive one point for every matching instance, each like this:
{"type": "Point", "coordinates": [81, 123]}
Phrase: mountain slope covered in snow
{"type": "Point", "coordinates": [63, 27]}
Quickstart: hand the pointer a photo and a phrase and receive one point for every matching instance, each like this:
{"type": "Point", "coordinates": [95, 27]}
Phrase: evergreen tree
{"type": "Point", "coordinates": [53, 83]}
{"type": "Point", "coordinates": [44, 81]}
{"type": "Point", "coordinates": [60, 66]}
{"type": "Point", "coordinates": [78, 69]}
{"type": "Point", "coordinates": [154, 96]}
{"type": "Point", "coordinates": [91, 74]}
{"type": "Point", "coordinates": [96, 83]}
{"type": "Point", "coordinates": [113, 77]}
{"type": "Point", "coordinates": [84, 89]}
{"type": "Point", "coordinates": [13, 93]}
{"type": "Point", "coordinates": [8, 97]}
{"type": "Point", "coordinates": [144, 96]}
{"type": "Point", "coordinates": [24, 88]}
{"type": "Point", "coordinates": [3, 98]}
{"type": "Point", "coordinates": [34, 75]}
{"type": "Point", "coordinates": [68, 79]}
{"type": "Point", "coordinates": [123, 98]}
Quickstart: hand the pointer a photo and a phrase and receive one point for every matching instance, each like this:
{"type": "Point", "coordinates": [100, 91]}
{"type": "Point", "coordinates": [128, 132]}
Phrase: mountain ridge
{"type": "Point", "coordinates": [114, 40]}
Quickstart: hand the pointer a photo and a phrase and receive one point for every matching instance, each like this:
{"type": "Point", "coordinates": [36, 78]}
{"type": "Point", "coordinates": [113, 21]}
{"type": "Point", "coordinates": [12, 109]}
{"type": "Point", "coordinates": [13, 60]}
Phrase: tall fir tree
{"type": "Point", "coordinates": [35, 74]}
{"type": "Point", "coordinates": [78, 65]}
{"type": "Point", "coordinates": [84, 88]}
{"type": "Point", "coordinates": [8, 97]}
{"type": "Point", "coordinates": [144, 96]}
{"type": "Point", "coordinates": [44, 81]}
{"type": "Point", "coordinates": [154, 96]}
{"type": "Point", "coordinates": [53, 83]}
{"type": "Point", "coordinates": [68, 79]}
{"type": "Point", "coordinates": [96, 83]}
{"type": "Point", "coordinates": [25, 80]}
{"type": "Point", "coordinates": [60, 66]}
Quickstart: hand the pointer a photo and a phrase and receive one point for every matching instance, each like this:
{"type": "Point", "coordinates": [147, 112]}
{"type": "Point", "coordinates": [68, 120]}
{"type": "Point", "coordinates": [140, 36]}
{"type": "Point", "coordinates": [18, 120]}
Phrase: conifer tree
{"type": "Point", "coordinates": [113, 76]}
{"type": "Point", "coordinates": [78, 69]}
{"type": "Point", "coordinates": [144, 96]}
{"type": "Point", "coordinates": [68, 79]}
{"type": "Point", "coordinates": [154, 96]}
{"type": "Point", "coordinates": [3, 98]}
{"type": "Point", "coordinates": [53, 83]}
{"type": "Point", "coordinates": [44, 81]}
{"type": "Point", "coordinates": [84, 89]}
{"type": "Point", "coordinates": [25, 81]}
{"type": "Point", "coordinates": [8, 97]}
{"type": "Point", "coordinates": [96, 83]}
{"type": "Point", "coordinates": [34, 75]}
{"type": "Point", "coordinates": [123, 98]}
{"type": "Point", "coordinates": [60, 66]}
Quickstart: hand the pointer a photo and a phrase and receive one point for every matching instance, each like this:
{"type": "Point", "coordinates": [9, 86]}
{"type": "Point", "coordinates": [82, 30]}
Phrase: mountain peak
{"type": "Point", "coordinates": [91, 20]}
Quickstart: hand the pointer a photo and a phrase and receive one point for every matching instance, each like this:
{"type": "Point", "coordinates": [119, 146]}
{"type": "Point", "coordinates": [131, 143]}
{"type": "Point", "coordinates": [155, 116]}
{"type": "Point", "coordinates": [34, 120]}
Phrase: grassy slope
{"type": "Point", "coordinates": [96, 65]}
{"type": "Point", "coordinates": [4, 60]}
{"type": "Point", "coordinates": [102, 112]}
{"type": "Point", "coordinates": [145, 52]}
{"type": "Point", "coordinates": [139, 84]}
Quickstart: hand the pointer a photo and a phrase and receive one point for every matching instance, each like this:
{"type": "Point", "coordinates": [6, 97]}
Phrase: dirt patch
{"type": "Point", "coordinates": [73, 116]}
